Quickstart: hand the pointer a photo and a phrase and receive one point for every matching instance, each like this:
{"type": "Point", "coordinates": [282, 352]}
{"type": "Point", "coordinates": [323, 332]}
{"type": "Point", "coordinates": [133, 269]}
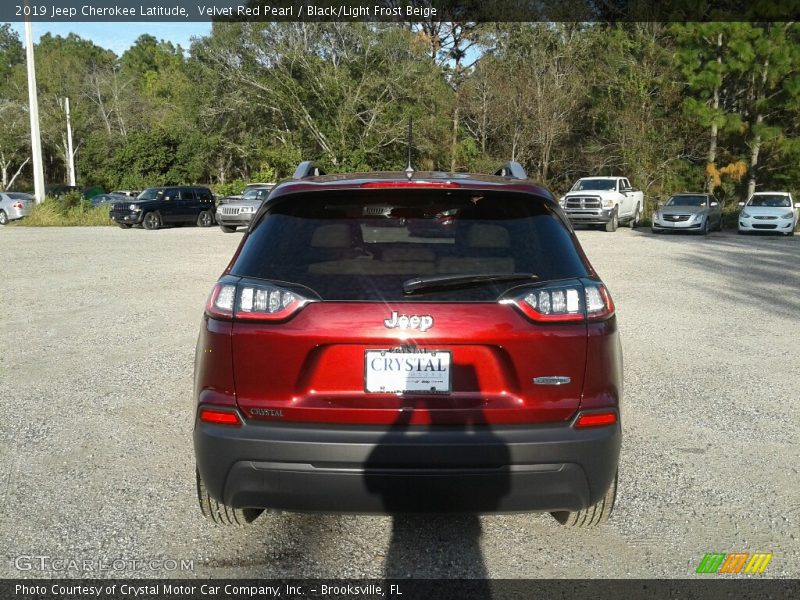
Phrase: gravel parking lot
{"type": "Point", "coordinates": [97, 339]}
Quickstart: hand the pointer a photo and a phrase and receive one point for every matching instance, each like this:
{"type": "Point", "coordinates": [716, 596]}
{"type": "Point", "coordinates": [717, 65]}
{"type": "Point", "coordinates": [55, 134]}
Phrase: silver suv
{"type": "Point", "coordinates": [237, 213]}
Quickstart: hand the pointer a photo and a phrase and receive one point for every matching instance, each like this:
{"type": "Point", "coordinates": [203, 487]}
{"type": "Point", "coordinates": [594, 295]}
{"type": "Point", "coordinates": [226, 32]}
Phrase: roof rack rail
{"type": "Point", "coordinates": [307, 168]}
{"type": "Point", "coordinates": [512, 169]}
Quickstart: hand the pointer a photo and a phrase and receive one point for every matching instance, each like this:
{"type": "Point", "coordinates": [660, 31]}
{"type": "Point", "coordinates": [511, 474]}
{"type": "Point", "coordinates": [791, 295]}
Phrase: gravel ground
{"type": "Point", "coordinates": [97, 337]}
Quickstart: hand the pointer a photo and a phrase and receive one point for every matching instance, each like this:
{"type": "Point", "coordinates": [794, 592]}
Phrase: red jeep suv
{"type": "Point", "coordinates": [393, 342]}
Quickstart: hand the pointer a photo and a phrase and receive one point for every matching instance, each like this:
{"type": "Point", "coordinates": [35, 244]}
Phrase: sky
{"type": "Point", "coordinates": [119, 36]}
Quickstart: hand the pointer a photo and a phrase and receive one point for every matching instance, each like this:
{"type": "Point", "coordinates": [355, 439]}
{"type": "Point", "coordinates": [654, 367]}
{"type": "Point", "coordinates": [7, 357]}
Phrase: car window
{"type": "Point", "coordinates": [771, 200]}
{"type": "Point", "coordinates": [361, 245]}
{"type": "Point", "coordinates": [687, 200]}
{"type": "Point", "coordinates": [151, 194]}
{"type": "Point", "coordinates": [595, 185]}
{"type": "Point", "coordinates": [188, 194]}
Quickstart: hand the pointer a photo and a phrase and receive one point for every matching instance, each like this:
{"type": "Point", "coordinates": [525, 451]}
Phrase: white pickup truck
{"type": "Point", "coordinates": [606, 201]}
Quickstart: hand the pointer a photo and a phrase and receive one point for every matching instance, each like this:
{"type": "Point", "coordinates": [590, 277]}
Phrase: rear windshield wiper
{"type": "Point", "coordinates": [450, 282]}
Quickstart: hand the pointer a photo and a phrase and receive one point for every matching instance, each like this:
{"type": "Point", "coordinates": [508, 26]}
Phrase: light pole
{"type": "Point", "coordinates": [71, 157]}
{"type": "Point", "coordinates": [33, 102]}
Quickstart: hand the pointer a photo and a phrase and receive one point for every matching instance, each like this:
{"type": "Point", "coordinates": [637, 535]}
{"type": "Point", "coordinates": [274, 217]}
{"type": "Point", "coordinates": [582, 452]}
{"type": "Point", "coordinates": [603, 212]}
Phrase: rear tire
{"type": "Point", "coordinates": [151, 221]}
{"type": "Point", "coordinates": [3, 218]}
{"type": "Point", "coordinates": [220, 514]}
{"type": "Point", "coordinates": [227, 229]}
{"type": "Point", "coordinates": [591, 516]}
{"type": "Point", "coordinates": [612, 225]}
{"type": "Point", "coordinates": [636, 217]}
{"type": "Point", "coordinates": [205, 219]}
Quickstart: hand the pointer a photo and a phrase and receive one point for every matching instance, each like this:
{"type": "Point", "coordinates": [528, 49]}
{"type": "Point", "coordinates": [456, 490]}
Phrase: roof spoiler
{"type": "Point", "coordinates": [307, 168]}
{"type": "Point", "coordinates": [512, 169]}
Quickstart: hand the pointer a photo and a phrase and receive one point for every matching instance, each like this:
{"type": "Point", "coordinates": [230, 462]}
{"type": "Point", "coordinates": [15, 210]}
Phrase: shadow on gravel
{"type": "Point", "coordinates": [761, 269]}
{"type": "Point", "coordinates": [445, 544]}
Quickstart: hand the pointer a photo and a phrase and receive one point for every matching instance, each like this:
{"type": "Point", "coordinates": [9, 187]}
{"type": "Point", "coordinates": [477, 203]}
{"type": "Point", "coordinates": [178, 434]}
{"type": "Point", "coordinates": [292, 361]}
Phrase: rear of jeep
{"type": "Point", "coordinates": [390, 343]}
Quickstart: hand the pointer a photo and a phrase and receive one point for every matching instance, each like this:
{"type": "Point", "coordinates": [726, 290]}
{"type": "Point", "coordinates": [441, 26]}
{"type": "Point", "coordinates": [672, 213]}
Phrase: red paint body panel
{"type": "Point", "coordinates": [311, 368]}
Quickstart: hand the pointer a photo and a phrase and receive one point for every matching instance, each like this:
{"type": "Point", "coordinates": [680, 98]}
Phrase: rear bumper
{"type": "Point", "coordinates": [358, 469]}
{"type": "Point", "coordinates": [15, 213]}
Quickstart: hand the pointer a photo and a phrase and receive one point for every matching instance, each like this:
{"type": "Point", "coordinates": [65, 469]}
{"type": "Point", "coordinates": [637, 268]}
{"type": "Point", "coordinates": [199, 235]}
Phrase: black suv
{"type": "Point", "coordinates": [160, 206]}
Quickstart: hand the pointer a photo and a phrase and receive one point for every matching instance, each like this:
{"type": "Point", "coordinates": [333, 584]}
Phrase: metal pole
{"type": "Point", "coordinates": [71, 157]}
{"type": "Point", "coordinates": [33, 102]}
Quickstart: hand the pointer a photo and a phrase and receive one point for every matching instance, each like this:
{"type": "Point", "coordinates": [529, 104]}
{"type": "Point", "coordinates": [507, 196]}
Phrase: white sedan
{"type": "Point", "coordinates": [769, 211]}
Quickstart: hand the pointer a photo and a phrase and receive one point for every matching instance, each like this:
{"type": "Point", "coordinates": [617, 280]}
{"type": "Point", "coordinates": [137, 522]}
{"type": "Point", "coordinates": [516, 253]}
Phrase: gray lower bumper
{"type": "Point", "coordinates": [358, 469]}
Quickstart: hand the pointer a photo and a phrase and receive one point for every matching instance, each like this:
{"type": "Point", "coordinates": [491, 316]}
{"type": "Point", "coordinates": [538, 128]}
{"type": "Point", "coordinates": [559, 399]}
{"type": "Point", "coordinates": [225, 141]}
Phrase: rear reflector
{"type": "Point", "coordinates": [600, 419]}
{"type": "Point", "coordinates": [410, 184]}
{"type": "Point", "coordinates": [219, 417]}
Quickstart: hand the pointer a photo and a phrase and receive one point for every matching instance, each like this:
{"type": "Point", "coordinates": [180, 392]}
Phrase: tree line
{"type": "Point", "coordinates": [672, 106]}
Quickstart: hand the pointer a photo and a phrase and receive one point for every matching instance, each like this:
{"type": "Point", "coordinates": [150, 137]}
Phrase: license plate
{"type": "Point", "coordinates": [422, 372]}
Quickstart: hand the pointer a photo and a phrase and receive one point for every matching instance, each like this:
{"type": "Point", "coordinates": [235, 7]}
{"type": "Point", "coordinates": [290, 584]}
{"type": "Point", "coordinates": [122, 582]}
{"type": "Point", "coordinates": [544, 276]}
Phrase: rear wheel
{"type": "Point", "coordinates": [3, 218]}
{"type": "Point", "coordinates": [592, 516]}
{"type": "Point", "coordinates": [636, 218]}
{"type": "Point", "coordinates": [220, 514]}
{"type": "Point", "coordinates": [151, 221]}
{"type": "Point", "coordinates": [205, 219]}
{"type": "Point", "coordinates": [227, 229]}
{"type": "Point", "coordinates": [613, 223]}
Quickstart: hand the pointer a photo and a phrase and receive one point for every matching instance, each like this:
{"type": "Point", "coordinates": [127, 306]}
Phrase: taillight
{"type": "Point", "coordinates": [564, 302]}
{"type": "Point", "coordinates": [17, 205]}
{"type": "Point", "coordinates": [266, 302]}
{"type": "Point", "coordinates": [410, 184]}
{"type": "Point", "coordinates": [219, 417]}
{"type": "Point", "coordinates": [599, 304]}
{"type": "Point", "coordinates": [596, 419]}
{"type": "Point", "coordinates": [220, 302]}
{"type": "Point", "coordinates": [253, 302]}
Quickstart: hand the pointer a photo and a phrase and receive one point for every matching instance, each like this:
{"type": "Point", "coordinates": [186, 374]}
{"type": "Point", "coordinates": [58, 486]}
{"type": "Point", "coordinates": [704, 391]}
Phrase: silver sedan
{"type": "Point", "coordinates": [699, 213]}
{"type": "Point", "coordinates": [14, 205]}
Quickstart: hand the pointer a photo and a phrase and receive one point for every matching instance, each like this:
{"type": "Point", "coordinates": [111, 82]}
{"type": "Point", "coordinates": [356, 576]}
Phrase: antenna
{"type": "Point", "coordinates": [409, 169]}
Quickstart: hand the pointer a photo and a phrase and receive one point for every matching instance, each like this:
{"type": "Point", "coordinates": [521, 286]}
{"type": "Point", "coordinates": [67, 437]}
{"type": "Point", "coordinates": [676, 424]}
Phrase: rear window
{"type": "Point", "coordinates": [362, 245]}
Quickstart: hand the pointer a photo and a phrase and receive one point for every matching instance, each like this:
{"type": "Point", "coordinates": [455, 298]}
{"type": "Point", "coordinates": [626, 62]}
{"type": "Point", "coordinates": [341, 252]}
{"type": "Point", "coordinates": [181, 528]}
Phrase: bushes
{"type": "Point", "coordinates": [71, 210]}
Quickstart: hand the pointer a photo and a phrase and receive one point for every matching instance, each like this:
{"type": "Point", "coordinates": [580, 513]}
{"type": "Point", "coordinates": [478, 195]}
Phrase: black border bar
{"type": "Point", "coordinates": [704, 586]}
{"type": "Point", "coordinates": [399, 10]}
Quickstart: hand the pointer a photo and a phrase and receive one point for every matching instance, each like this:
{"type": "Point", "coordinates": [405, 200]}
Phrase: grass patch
{"type": "Point", "coordinates": [65, 212]}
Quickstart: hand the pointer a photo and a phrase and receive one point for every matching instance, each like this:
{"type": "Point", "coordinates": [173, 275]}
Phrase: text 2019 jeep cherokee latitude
{"type": "Point", "coordinates": [396, 342]}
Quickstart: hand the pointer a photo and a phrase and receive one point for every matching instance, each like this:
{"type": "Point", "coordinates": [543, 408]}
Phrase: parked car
{"type": "Point", "coordinates": [347, 365]}
{"type": "Point", "coordinates": [155, 207]}
{"type": "Point", "coordinates": [769, 211]}
{"type": "Point", "coordinates": [128, 193]}
{"type": "Point", "coordinates": [237, 213]}
{"type": "Point", "coordinates": [606, 201]}
{"type": "Point", "coordinates": [101, 199]}
{"type": "Point", "coordinates": [14, 205]}
{"type": "Point", "coordinates": [247, 188]}
{"type": "Point", "coordinates": [699, 213]}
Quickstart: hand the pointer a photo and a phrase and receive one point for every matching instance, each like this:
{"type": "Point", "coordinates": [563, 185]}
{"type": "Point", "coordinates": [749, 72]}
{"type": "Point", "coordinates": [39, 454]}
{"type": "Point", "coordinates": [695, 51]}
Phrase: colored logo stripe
{"type": "Point", "coordinates": [711, 562]}
{"type": "Point", "coordinates": [719, 562]}
{"type": "Point", "coordinates": [734, 562]}
{"type": "Point", "coordinates": [758, 562]}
